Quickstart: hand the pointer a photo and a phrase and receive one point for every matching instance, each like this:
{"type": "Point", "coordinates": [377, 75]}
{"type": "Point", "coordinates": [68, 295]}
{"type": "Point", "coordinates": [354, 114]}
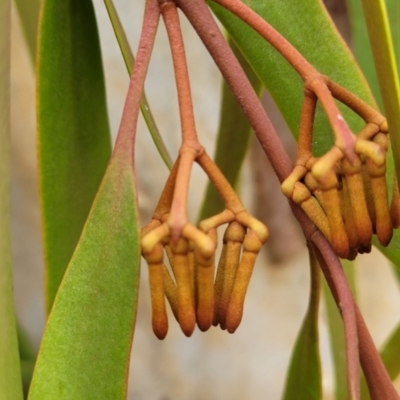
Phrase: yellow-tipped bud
{"type": "Point", "coordinates": [251, 247]}
{"type": "Point", "coordinates": [355, 189]}
{"type": "Point", "coordinates": [156, 278]}
{"type": "Point", "coordinates": [186, 314]}
{"type": "Point", "coordinates": [383, 223]}
{"type": "Point", "coordinates": [205, 288]}
{"type": "Point", "coordinates": [234, 236]}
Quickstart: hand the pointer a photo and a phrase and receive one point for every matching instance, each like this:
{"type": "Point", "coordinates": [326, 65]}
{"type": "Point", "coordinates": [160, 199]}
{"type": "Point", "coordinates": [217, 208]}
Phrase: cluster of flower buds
{"type": "Point", "coordinates": [346, 198]}
{"type": "Point", "coordinates": [197, 290]}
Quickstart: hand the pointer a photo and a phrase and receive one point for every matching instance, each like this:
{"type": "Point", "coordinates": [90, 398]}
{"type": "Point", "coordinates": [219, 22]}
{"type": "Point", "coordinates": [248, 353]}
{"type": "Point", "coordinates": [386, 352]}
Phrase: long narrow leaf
{"type": "Point", "coordinates": [385, 64]}
{"type": "Point", "coordinates": [10, 374]}
{"type": "Point", "coordinates": [86, 345]}
{"type": "Point", "coordinates": [390, 352]}
{"type": "Point", "coordinates": [28, 11]}
{"type": "Point", "coordinates": [74, 140]}
{"type": "Point", "coordinates": [233, 134]}
{"type": "Point", "coordinates": [304, 381]}
{"type": "Point", "coordinates": [85, 349]}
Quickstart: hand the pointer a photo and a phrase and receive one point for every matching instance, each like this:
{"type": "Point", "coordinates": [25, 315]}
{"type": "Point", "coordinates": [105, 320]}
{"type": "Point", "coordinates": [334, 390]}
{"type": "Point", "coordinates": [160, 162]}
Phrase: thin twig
{"type": "Point", "coordinates": [127, 130]}
{"type": "Point", "coordinates": [129, 63]}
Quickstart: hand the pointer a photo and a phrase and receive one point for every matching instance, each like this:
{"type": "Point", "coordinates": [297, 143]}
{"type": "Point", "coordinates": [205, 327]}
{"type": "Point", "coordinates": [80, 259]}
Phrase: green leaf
{"type": "Point", "coordinates": [361, 47]}
{"type": "Point", "coordinates": [390, 353]}
{"type": "Point", "coordinates": [27, 357]}
{"type": "Point", "coordinates": [233, 134]}
{"type": "Point", "coordinates": [10, 371]}
{"type": "Point", "coordinates": [28, 11]}
{"type": "Point", "coordinates": [74, 140]}
{"type": "Point", "coordinates": [385, 64]}
{"type": "Point", "coordinates": [336, 333]}
{"type": "Point", "coordinates": [304, 380]}
{"type": "Point", "coordinates": [306, 25]}
{"type": "Point", "coordinates": [86, 346]}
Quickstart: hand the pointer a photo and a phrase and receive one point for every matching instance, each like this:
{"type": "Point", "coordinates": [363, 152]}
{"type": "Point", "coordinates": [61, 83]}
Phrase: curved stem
{"type": "Point", "coordinates": [229, 196]}
{"type": "Point", "coordinates": [129, 63]}
{"type": "Point", "coordinates": [201, 19]}
{"type": "Point", "coordinates": [337, 282]}
{"type": "Point", "coordinates": [171, 19]}
{"type": "Point", "coordinates": [292, 55]}
{"type": "Point", "coordinates": [178, 216]}
{"type": "Point", "coordinates": [127, 130]}
{"type": "Point", "coordinates": [378, 380]}
{"type": "Point", "coordinates": [304, 151]}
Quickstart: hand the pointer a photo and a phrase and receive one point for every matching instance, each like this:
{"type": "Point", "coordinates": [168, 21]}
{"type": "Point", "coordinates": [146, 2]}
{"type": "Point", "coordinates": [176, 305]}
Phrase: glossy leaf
{"type": "Point", "coordinates": [233, 134]}
{"type": "Point", "coordinates": [298, 21]}
{"type": "Point", "coordinates": [304, 379]}
{"type": "Point", "coordinates": [385, 64]}
{"type": "Point", "coordinates": [74, 140]}
{"type": "Point", "coordinates": [10, 375]}
{"type": "Point", "coordinates": [86, 346]}
{"type": "Point", "coordinates": [28, 11]}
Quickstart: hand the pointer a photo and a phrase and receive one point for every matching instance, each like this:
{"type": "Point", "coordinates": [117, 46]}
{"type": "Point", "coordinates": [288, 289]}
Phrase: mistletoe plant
{"type": "Point", "coordinates": [338, 189]}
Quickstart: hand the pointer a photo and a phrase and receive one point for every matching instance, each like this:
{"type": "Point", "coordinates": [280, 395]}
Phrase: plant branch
{"type": "Point", "coordinates": [171, 19]}
{"type": "Point", "coordinates": [129, 63]}
{"type": "Point", "coordinates": [127, 130]}
{"type": "Point", "coordinates": [202, 21]}
{"type": "Point", "coordinates": [291, 54]}
{"type": "Point", "coordinates": [200, 18]}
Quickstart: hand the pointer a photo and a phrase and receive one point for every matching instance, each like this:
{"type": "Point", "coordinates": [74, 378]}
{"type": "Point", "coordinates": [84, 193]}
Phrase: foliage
{"type": "Point", "coordinates": [337, 188]}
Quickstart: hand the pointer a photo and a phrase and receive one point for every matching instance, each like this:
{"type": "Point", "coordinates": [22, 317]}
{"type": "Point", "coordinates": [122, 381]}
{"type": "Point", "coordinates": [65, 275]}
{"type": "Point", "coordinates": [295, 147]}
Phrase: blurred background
{"type": "Point", "coordinates": [252, 363]}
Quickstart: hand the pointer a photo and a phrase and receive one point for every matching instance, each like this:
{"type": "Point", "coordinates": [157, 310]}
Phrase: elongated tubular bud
{"type": "Point", "coordinates": [234, 313]}
{"type": "Point", "coordinates": [347, 213]}
{"type": "Point", "coordinates": [186, 314]}
{"type": "Point", "coordinates": [171, 292]}
{"type": "Point", "coordinates": [356, 192]}
{"type": "Point", "coordinates": [302, 197]}
{"type": "Point", "coordinates": [383, 223]}
{"type": "Point", "coordinates": [192, 272]}
{"type": "Point", "coordinates": [205, 288]}
{"type": "Point", "coordinates": [331, 205]}
{"type": "Point", "coordinates": [219, 283]}
{"type": "Point", "coordinates": [234, 236]}
{"type": "Point", "coordinates": [395, 204]}
{"type": "Point", "coordinates": [156, 278]}
{"type": "Point", "coordinates": [368, 194]}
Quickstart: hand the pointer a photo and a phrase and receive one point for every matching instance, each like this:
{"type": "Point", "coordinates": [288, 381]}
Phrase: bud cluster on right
{"type": "Point", "coordinates": [348, 200]}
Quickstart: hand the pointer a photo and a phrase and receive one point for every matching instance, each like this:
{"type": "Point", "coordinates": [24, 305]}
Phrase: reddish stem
{"type": "Point", "coordinates": [337, 282]}
{"type": "Point", "coordinates": [291, 54]}
{"type": "Point", "coordinates": [172, 24]}
{"type": "Point", "coordinates": [378, 380]}
{"type": "Point", "coordinates": [127, 130]}
{"type": "Point", "coordinates": [201, 19]}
